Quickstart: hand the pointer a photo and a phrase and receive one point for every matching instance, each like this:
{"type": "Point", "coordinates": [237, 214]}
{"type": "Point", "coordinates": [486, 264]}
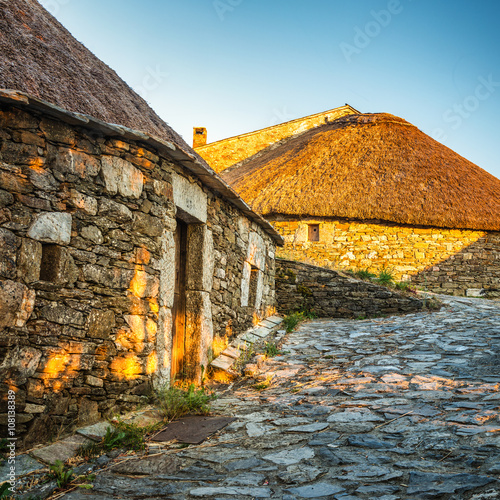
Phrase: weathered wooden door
{"type": "Point", "coordinates": [179, 309]}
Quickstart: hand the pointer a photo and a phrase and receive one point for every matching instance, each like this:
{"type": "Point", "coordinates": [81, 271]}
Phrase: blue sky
{"type": "Point", "coordinates": [234, 66]}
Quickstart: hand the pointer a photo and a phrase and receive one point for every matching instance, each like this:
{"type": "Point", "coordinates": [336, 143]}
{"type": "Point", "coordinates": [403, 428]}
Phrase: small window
{"type": "Point", "coordinates": [51, 261]}
{"type": "Point", "coordinates": [313, 232]}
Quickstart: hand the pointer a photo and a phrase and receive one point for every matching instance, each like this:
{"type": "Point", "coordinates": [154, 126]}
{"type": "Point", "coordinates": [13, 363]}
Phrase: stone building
{"type": "Point", "coordinates": [122, 253]}
{"type": "Point", "coordinates": [371, 191]}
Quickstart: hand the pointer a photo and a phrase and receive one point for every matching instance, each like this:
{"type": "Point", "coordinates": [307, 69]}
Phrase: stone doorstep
{"type": "Point", "coordinates": [242, 342]}
{"type": "Point", "coordinates": [61, 450]}
{"type": "Point", "coordinates": [262, 331]}
{"type": "Point", "coordinates": [231, 352]}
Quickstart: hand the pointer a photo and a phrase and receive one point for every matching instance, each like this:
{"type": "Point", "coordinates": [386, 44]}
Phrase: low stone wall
{"type": "Point", "coordinates": [329, 294]}
{"type": "Point", "coordinates": [88, 223]}
{"type": "Point", "coordinates": [446, 261]}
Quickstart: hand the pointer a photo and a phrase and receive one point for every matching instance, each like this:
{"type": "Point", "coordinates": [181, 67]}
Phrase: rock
{"type": "Point", "coordinates": [51, 227]}
{"type": "Point", "coordinates": [8, 253]}
{"type": "Point", "coordinates": [429, 485]}
{"type": "Point", "coordinates": [6, 198]}
{"type": "Point", "coordinates": [150, 226]}
{"type": "Point", "coordinates": [61, 450]}
{"type": "Point", "coordinates": [369, 441]}
{"type": "Point", "coordinates": [230, 490]}
{"type": "Point", "coordinates": [257, 429]}
{"type": "Point", "coordinates": [290, 457]}
{"type": "Point", "coordinates": [87, 204]}
{"type": "Point", "coordinates": [30, 259]}
{"type": "Point", "coordinates": [317, 490]}
{"type": "Point", "coordinates": [20, 364]}
{"type": "Point", "coordinates": [120, 176]}
{"type": "Point", "coordinates": [114, 211]}
{"type": "Point", "coordinates": [246, 479]}
{"type": "Point", "coordinates": [68, 161]}
{"type": "Point", "coordinates": [93, 234]}
{"type": "Point", "coordinates": [354, 416]}
{"type": "Point", "coordinates": [100, 323]}
{"type": "Point", "coordinates": [62, 315]}
{"type": "Point", "coordinates": [16, 304]}
{"type": "Point", "coordinates": [159, 464]}
{"type": "Point", "coordinates": [245, 464]}
{"type": "Point", "coordinates": [310, 428]}
{"type": "Point", "coordinates": [298, 474]}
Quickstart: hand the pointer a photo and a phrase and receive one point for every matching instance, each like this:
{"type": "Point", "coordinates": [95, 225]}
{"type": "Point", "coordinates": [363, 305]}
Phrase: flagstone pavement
{"type": "Point", "coordinates": [403, 407]}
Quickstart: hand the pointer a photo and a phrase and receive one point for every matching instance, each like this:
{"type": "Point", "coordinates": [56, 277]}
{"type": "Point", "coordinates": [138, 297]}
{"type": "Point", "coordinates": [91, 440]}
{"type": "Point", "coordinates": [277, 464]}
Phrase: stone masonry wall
{"type": "Point", "coordinates": [329, 294]}
{"type": "Point", "coordinates": [87, 225]}
{"type": "Point", "coordinates": [222, 154]}
{"type": "Point", "coordinates": [439, 260]}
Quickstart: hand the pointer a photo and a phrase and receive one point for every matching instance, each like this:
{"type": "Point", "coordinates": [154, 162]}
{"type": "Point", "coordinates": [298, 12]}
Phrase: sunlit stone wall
{"type": "Point", "coordinates": [447, 261]}
{"type": "Point", "coordinates": [222, 154]}
{"type": "Point", "coordinates": [87, 271]}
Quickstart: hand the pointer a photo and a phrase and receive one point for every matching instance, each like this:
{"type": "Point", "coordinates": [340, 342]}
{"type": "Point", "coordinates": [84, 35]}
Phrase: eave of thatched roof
{"type": "Point", "coordinates": [370, 166]}
{"type": "Point", "coordinates": [46, 69]}
{"type": "Point", "coordinates": [175, 152]}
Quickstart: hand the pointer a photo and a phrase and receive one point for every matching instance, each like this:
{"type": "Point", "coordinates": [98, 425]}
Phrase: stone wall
{"type": "Point", "coordinates": [87, 270]}
{"type": "Point", "coordinates": [439, 260]}
{"type": "Point", "coordinates": [222, 154]}
{"type": "Point", "coordinates": [329, 294]}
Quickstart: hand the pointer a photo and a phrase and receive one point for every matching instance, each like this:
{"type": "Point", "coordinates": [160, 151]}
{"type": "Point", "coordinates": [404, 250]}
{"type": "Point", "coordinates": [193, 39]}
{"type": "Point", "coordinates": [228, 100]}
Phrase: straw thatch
{"type": "Point", "coordinates": [40, 57]}
{"type": "Point", "coordinates": [370, 167]}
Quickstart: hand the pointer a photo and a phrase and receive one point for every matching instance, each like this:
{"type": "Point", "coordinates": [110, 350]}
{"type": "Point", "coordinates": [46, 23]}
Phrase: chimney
{"type": "Point", "coordinates": [199, 137]}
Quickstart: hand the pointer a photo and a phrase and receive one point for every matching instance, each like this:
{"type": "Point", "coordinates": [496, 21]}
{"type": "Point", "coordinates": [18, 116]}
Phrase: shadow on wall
{"type": "Point", "coordinates": [473, 271]}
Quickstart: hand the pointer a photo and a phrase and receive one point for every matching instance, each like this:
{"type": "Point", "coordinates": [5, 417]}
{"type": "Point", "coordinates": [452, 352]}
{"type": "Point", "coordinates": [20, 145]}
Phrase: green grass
{"type": "Point", "coordinates": [291, 321]}
{"type": "Point", "coordinates": [271, 350]}
{"type": "Point", "coordinates": [385, 277]}
{"type": "Point", "coordinates": [60, 473]}
{"type": "Point", "coordinates": [128, 436]}
{"type": "Point", "coordinates": [365, 275]}
{"type": "Point", "coordinates": [175, 402]}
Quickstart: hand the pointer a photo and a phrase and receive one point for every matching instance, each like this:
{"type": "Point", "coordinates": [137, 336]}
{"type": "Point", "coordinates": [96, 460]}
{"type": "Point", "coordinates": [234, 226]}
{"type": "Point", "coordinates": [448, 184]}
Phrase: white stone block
{"type": "Point", "coordinates": [51, 227]}
{"type": "Point", "coordinates": [190, 200]}
{"type": "Point", "coordinates": [120, 176]}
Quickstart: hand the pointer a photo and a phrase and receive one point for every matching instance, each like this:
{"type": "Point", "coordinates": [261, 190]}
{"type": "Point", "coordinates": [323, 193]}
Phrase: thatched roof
{"type": "Point", "coordinates": [40, 57]}
{"type": "Point", "coordinates": [371, 167]}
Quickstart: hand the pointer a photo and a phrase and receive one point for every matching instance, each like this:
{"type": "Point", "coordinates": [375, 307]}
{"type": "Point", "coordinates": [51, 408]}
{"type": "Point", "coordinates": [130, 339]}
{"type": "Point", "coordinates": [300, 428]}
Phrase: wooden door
{"type": "Point", "coordinates": [179, 309]}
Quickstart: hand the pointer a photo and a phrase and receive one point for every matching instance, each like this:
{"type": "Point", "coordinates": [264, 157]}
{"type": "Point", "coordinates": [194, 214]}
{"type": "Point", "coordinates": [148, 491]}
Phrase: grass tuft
{"type": "Point", "coordinates": [175, 402]}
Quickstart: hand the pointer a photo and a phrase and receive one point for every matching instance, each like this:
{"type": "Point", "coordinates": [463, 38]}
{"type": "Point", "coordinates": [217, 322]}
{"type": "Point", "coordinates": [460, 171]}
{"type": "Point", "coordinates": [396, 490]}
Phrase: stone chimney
{"type": "Point", "coordinates": [199, 136]}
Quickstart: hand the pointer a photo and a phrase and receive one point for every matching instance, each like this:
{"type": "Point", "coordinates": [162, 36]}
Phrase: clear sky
{"type": "Point", "coordinates": [234, 66]}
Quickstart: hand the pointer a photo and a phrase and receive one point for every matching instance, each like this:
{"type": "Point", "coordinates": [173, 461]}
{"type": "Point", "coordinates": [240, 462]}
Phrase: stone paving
{"type": "Point", "coordinates": [403, 407]}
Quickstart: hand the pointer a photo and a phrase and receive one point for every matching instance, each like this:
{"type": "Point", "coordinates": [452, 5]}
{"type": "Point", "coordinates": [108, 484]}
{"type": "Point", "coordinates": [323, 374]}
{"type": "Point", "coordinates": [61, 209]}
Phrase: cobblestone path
{"type": "Point", "coordinates": [394, 408]}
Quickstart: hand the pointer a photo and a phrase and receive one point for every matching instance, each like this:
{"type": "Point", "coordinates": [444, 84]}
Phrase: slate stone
{"type": "Point", "coordinates": [369, 441]}
{"type": "Point", "coordinates": [61, 450]}
{"type": "Point", "coordinates": [246, 464]}
{"type": "Point", "coordinates": [429, 485]}
{"type": "Point", "coordinates": [317, 490]}
{"type": "Point", "coordinates": [289, 457]}
{"type": "Point", "coordinates": [324, 438]}
{"type": "Point", "coordinates": [111, 484]}
{"type": "Point", "coordinates": [377, 489]}
{"type": "Point", "coordinates": [245, 479]}
{"type": "Point", "coordinates": [24, 465]}
{"type": "Point", "coordinates": [310, 428]}
{"type": "Point", "coordinates": [298, 474]}
{"type": "Point", "coordinates": [230, 490]}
